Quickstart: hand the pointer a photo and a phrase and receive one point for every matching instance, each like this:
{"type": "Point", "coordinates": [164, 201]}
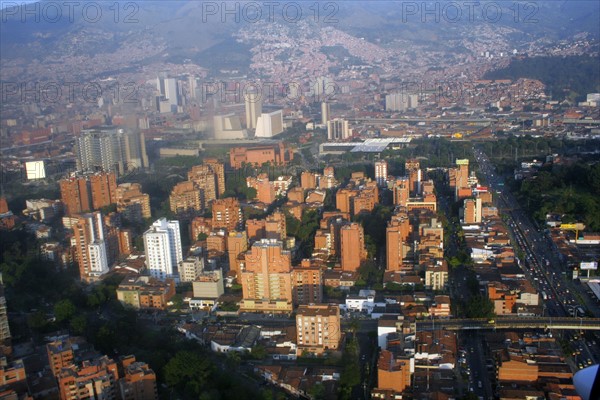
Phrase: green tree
{"type": "Point", "coordinates": [64, 310]}
{"type": "Point", "coordinates": [188, 372]}
{"type": "Point", "coordinates": [78, 325]}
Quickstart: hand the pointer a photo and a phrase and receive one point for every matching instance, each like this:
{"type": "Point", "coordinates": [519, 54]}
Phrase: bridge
{"type": "Point", "coordinates": [568, 323]}
{"type": "Point", "coordinates": [387, 121]}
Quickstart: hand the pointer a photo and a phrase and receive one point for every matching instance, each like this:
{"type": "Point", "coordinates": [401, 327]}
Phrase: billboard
{"type": "Point", "coordinates": [588, 265]}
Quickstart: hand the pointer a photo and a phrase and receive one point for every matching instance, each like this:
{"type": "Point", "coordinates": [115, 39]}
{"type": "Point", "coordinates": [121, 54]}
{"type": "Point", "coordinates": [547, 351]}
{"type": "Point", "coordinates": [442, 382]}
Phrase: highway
{"type": "Point", "coordinates": [569, 323]}
{"type": "Point", "coordinates": [543, 266]}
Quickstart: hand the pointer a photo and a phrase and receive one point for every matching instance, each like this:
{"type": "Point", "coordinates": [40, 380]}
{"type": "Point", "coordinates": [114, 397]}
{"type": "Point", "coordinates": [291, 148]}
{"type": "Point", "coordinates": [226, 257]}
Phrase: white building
{"type": "Point", "coordinates": [228, 127]}
{"type": "Point", "coordinates": [338, 129]}
{"type": "Point", "coordinates": [88, 234]}
{"type": "Point", "coordinates": [381, 172]}
{"type": "Point", "coordinates": [325, 113]}
{"type": "Point", "coordinates": [269, 125]}
{"type": "Point", "coordinates": [365, 301]}
{"type": "Point", "coordinates": [163, 248]}
{"type": "Point", "coordinates": [35, 170]}
{"type": "Point", "coordinates": [253, 102]}
{"type": "Point", "coordinates": [190, 268]}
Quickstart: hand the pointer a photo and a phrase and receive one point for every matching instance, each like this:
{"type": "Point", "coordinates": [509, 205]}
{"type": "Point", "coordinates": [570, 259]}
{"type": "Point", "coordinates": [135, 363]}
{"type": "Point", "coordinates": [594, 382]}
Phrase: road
{"type": "Point", "coordinates": [544, 266]}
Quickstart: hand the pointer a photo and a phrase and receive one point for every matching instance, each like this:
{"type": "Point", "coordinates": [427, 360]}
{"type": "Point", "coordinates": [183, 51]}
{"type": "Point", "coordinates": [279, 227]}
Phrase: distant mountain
{"type": "Point", "coordinates": [178, 32]}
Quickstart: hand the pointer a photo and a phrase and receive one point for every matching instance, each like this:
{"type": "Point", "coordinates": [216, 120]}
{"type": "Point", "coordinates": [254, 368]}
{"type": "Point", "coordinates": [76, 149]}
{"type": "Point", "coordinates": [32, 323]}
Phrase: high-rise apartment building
{"type": "Point", "coordinates": [338, 129]}
{"type": "Point", "coordinates": [162, 243]}
{"type": "Point", "coordinates": [138, 382]}
{"type": "Point", "coordinates": [253, 103]}
{"type": "Point", "coordinates": [132, 203]}
{"type": "Point", "coordinates": [226, 214]}
{"type": "Point", "coordinates": [472, 211]}
{"type": "Point", "coordinates": [4, 328]}
{"type": "Point", "coordinates": [396, 236]}
{"type": "Point", "coordinates": [61, 353]}
{"type": "Point", "coordinates": [110, 149]}
{"type": "Point", "coordinates": [218, 169]}
{"type": "Point", "coordinates": [309, 180]}
{"type": "Point", "coordinates": [185, 196]}
{"type": "Point", "coordinates": [104, 189]}
{"type": "Point", "coordinates": [401, 101]}
{"type": "Point", "coordinates": [352, 246]}
{"type": "Point", "coordinates": [381, 172]}
{"type": "Point", "coordinates": [91, 246]}
{"type": "Point", "coordinates": [307, 284]}
{"type": "Point", "coordinates": [95, 379]}
{"type": "Point", "coordinates": [206, 181]}
{"type": "Point", "coordinates": [266, 278]}
{"type": "Point", "coordinates": [318, 328]}
{"type": "Point", "coordinates": [237, 245]}
{"type": "Point", "coordinates": [401, 191]}
{"type": "Point", "coordinates": [83, 193]}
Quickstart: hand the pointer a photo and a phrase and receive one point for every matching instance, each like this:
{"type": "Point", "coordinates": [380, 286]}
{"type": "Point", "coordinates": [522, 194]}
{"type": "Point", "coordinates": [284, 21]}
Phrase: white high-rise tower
{"type": "Point", "coordinates": [163, 248]}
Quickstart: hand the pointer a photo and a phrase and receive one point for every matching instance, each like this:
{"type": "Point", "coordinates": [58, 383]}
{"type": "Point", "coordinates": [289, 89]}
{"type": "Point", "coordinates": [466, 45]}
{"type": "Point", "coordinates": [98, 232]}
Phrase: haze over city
{"type": "Point", "coordinates": [315, 200]}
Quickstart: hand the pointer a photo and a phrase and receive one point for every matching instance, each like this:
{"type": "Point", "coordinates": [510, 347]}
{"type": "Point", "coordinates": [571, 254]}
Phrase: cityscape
{"type": "Point", "coordinates": [354, 200]}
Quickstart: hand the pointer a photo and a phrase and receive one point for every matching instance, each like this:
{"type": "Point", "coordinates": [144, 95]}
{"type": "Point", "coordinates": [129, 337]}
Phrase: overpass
{"type": "Point", "coordinates": [568, 323]}
{"type": "Point", "coordinates": [387, 121]}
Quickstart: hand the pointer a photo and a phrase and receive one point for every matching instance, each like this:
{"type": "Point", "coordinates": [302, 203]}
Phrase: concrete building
{"type": "Point", "coordinates": [209, 285]}
{"type": "Point", "coordinates": [87, 192]}
{"type": "Point", "coordinates": [401, 191]}
{"type": "Point", "coordinates": [218, 168]}
{"type": "Point", "coordinates": [185, 196]}
{"type": "Point", "coordinates": [226, 214]}
{"type": "Point", "coordinates": [168, 89]}
{"type": "Point", "coordinates": [162, 244]}
{"type": "Point", "coordinates": [325, 112]}
{"type": "Point", "coordinates": [91, 247]}
{"type": "Point", "coordinates": [352, 241]}
{"type": "Point", "coordinates": [61, 353]}
{"type": "Point", "coordinates": [266, 278]}
{"type": "Point", "coordinates": [472, 211]}
{"type": "Point", "coordinates": [307, 284]}
{"type": "Point", "coordinates": [338, 129]}
{"type": "Point", "coordinates": [94, 379]}
{"type": "Point", "coordinates": [110, 149]}
{"type": "Point", "coordinates": [205, 180]}
{"type": "Point", "coordinates": [132, 203]}
{"type": "Point", "coordinates": [269, 124]}
{"type": "Point", "coordinates": [138, 382]}
{"type": "Point", "coordinates": [237, 245]}
{"type": "Point", "coordinates": [276, 154]}
{"type": "Point", "coordinates": [5, 337]}
{"type": "Point", "coordinates": [436, 276]}
{"type": "Point", "coordinates": [145, 292]}
{"type": "Point", "coordinates": [397, 245]}
{"type": "Point", "coordinates": [381, 172]}
{"type": "Point", "coordinates": [190, 268]}
{"type": "Point", "coordinates": [253, 103]}
{"type": "Point", "coordinates": [228, 127]}
{"type": "Point", "coordinates": [394, 373]}
{"type": "Point", "coordinates": [318, 328]}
